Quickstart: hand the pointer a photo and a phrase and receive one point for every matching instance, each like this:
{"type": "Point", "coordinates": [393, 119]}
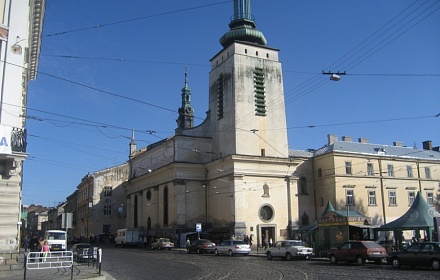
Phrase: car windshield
{"type": "Point", "coordinates": [165, 240]}
{"type": "Point", "coordinates": [238, 242]}
{"type": "Point", "coordinates": [204, 241]}
{"type": "Point", "coordinates": [372, 245]}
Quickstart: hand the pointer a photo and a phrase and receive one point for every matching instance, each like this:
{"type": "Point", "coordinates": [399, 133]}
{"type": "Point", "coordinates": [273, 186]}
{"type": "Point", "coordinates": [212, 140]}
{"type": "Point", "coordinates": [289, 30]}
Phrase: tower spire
{"type": "Point", "coordinates": [242, 26]}
{"type": "Point", "coordinates": [186, 112]}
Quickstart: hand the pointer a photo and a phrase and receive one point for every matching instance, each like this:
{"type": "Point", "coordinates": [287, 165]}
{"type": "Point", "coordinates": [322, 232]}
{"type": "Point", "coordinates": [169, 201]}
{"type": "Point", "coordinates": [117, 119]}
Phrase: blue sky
{"type": "Point", "coordinates": [107, 67]}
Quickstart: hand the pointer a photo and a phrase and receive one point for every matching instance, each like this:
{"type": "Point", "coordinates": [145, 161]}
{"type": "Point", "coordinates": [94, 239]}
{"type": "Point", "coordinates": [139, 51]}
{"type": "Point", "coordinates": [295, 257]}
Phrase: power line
{"type": "Point", "coordinates": [98, 26]}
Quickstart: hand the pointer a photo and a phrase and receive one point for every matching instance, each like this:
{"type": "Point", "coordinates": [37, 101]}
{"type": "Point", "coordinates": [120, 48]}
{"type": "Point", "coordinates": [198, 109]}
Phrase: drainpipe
{"type": "Point", "coordinates": [382, 192]}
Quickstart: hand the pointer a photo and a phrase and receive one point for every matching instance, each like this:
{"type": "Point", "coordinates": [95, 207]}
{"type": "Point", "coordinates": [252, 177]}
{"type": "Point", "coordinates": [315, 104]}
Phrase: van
{"type": "Point", "coordinates": [127, 237]}
{"type": "Point", "coordinates": [57, 239]}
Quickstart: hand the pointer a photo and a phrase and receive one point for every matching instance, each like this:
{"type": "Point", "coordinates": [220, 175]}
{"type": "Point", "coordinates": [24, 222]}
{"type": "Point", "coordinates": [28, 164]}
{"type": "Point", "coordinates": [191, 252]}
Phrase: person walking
{"type": "Point", "coordinates": [34, 246]}
{"type": "Point", "coordinates": [45, 250]}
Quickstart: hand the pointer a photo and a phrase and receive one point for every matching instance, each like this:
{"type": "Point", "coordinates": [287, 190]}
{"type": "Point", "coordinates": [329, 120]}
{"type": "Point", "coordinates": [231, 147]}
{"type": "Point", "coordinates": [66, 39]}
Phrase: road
{"type": "Point", "coordinates": [133, 263]}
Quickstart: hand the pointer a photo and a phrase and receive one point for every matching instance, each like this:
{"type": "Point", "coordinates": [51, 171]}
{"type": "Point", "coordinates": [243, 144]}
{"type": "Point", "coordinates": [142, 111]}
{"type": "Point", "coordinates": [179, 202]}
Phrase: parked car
{"type": "Point", "coordinates": [289, 249]}
{"type": "Point", "coordinates": [359, 252]}
{"type": "Point", "coordinates": [418, 254]}
{"type": "Point", "coordinates": [232, 247]}
{"type": "Point", "coordinates": [83, 252]}
{"type": "Point", "coordinates": [162, 243]}
{"type": "Point", "coordinates": [201, 246]}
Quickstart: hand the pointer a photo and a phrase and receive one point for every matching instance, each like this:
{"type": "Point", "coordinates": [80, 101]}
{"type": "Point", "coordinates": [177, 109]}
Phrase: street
{"type": "Point", "coordinates": [134, 263]}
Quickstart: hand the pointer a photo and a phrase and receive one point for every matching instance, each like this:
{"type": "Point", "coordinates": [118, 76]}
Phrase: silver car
{"type": "Point", "coordinates": [232, 247]}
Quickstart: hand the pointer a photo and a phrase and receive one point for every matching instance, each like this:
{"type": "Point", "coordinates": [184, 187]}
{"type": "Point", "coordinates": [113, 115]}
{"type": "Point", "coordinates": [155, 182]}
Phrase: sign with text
{"type": "Point", "coordinates": [198, 227]}
{"type": "Point", "coordinates": [5, 139]}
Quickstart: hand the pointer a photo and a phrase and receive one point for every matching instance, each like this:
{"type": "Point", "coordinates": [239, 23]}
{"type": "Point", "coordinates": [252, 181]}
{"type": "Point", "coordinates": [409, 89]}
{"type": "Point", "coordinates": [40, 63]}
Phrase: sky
{"type": "Point", "coordinates": [109, 67]}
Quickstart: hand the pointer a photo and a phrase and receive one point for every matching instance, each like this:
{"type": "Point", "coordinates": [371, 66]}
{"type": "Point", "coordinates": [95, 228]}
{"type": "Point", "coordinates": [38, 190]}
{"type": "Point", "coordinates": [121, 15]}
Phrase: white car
{"type": "Point", "coordinates": [232, 247]}
{"type": "Point", "coordinates": [289, 249]}
{"type": "Point", "coordinates": [162, 243]}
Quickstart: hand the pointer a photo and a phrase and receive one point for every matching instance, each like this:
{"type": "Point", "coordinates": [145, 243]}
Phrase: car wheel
{"type": "Point", "coordinates": [360, 260]}
{"type": "Point", "coordinates": [269, 256]}
{"type": "Point", "coordinates": [216, 252]}
{"type": "Point", "coordinates": [333, 259]}
{"type": "Point", "coordinates": [435, 263]}
{"type": "Point", "coordinates": [395, 262]}
{"type": "Point", "coordinates": [288, 257]}
{"type": "Point", "coordinates": [230, 253]}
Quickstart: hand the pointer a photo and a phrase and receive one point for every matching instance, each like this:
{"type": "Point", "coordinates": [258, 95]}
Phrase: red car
{"type": "Point", "coordinates": [201, 246]}
{"type": "Point", "coordinates": [359, 252]}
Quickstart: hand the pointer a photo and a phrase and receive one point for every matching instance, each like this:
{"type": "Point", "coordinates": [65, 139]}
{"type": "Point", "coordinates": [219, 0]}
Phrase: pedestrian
{"type": "Point", "coordinates": [26, 243]}
{"type": "Point", "coordinates": [188, 242]}
{"type": "Point", "coordinates": [34, 244]}
{"type": "Point", "coordinates": [246, 239]}
{"type": "Point", "coordinates": [250, 240]}
{"type": "Point", "coordinates": [270, 242]}
{"type": "Point", "coordinates": [45, 250]}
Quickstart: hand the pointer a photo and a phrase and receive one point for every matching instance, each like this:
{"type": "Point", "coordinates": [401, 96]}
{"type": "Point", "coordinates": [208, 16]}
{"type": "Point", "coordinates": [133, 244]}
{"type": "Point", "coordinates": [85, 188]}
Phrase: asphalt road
{"type": "Point", "coordinates": [133, 263]}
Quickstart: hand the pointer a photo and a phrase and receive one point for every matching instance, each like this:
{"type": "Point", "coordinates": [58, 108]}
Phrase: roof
{"type": "Point", "coordinates": [378, 150]}
{"type": "Point", "coordinates": [419, 215]}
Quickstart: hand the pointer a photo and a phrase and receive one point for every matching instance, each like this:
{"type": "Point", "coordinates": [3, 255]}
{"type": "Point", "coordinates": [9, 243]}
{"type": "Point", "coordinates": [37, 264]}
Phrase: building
{"type": "Point", "coordinates": [232, 174]}
{"type": "Point", "coordinates": [21, 24]}
{"type": "Point", "coordinates": [371, 184]}
{"type": "Point", "coordinates": [100, 208]}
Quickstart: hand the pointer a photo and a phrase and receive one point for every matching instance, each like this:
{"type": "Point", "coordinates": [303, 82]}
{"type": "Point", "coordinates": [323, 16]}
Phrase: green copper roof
{"type": "Point", "coordinates": [242, 26]}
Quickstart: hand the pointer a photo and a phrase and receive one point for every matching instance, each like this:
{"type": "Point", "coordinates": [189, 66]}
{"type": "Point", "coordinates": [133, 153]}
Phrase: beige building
{"type": "Point", "coordinates": [231, 175]}
{"type": "Point", "coordinates": [100, 208]}
{"type": "Point", "coordinates": [379, 182]}
{"type": "Point", "coordinates": [21, 24]}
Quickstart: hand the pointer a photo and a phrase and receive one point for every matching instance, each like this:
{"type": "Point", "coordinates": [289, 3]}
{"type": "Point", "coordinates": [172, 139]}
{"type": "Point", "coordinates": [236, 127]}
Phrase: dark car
{"type": "Point", "coordinates": [201, 246]}
{"type": "Point", "coordinates": [83, 252]}
{"type": "Point", "coordinates": [359, 252]}
{"type": "Point", "coordinates": [418, 254]}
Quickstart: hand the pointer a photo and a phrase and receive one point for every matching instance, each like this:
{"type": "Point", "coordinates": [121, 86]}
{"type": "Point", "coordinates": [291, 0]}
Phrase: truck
{"type": "Point", "coordinates": [57, 240]}
{"type": "Point", "coordinates": [127, 237]}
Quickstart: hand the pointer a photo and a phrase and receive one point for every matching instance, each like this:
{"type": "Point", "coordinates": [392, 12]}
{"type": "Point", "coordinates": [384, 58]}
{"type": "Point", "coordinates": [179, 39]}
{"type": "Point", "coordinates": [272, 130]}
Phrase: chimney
{"type": "Point", "coordinates": [363, 140]}
{"type": "Point", "coordinates": [437, 149]}
{"type": "Point", "coordinates": [347, 138]}
{"type": "Point", "coordinates": [397, 144]}
{"type": "Point", "coordinates": [332, 138]}
{"type": "Point", "coordinates": [427, 145]}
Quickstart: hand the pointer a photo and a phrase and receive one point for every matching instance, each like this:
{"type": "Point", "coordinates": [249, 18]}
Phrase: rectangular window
{"type": "Point", "coordinates": [411, 197]}
{"type": "Point", "coordinates": [430, 198]}
{"type": "Point", "coordinates": [108, 191]}
{"type": "Point", "coordinates": [350, 197]}
{"type": "Point", "coordinates": [370, 170]}
{"type": "Point", "coordinates": [427, 173]}
{"type": "Point", "coordinates": [107, 210]}
{"type": "Point", "coordinates": [409, 171]}
{"type": "Point", "coordinates": [348, 168]}
{"type": "Point", "coordinates": [390, 170]}
{"type": "Point", "coordinates": [392, 197]}
{"type": "Point", "coordinates": [220, 96]}
{"type": "Point", "coordinates": [371, 197]}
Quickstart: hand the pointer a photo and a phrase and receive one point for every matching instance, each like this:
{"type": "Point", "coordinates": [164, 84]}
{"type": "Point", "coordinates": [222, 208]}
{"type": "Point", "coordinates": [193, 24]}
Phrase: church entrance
{"type": "Point", "coordinates": [267, 236]}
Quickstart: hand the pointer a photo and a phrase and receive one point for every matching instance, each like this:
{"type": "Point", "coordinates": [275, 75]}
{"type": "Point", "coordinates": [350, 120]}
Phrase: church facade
{"type": "Point", "coordinates": [231, 175]}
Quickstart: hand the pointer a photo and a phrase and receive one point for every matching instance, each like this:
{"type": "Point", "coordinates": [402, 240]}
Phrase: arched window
{"type": "Point", "coordinates": [165, 206]}
{"type": "Point", "coordinates": [135, 214]}
{"type": "Point", "coordinates": [303, 185]}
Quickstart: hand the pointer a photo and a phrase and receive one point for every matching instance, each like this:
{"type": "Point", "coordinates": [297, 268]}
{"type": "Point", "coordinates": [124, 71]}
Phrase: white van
{"type": "Point", "coordinates": [57, 239]}
{"type": "Point", "coordinates": [127, 237]}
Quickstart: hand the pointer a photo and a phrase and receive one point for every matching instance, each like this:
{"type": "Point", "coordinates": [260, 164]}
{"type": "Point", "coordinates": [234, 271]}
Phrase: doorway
{"type": "Point", "coordinates": [267, 235]}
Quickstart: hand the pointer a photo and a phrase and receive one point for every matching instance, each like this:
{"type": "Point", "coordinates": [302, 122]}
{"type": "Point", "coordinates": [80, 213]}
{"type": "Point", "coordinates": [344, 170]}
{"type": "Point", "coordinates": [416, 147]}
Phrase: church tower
{"type": "Point", "coordinates": [246, 97]}
{"type": "Point", "coordinates": [186, 112]}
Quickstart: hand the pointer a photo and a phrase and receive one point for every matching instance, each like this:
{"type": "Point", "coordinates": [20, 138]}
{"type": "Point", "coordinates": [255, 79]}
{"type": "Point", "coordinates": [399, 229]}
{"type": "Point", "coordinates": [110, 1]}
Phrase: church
{"type": "Point", "coordinates": [231, 176]}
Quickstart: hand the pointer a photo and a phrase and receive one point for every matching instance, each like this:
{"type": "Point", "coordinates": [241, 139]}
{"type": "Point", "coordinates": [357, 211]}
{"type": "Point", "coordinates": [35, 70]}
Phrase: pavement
{"type": "Point", "coordinates": [77, 272]}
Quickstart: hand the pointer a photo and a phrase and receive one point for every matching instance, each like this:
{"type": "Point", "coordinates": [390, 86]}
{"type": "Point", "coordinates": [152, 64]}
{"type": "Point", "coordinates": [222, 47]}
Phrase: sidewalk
{"type": "Point", "coordinates": [80, 271]}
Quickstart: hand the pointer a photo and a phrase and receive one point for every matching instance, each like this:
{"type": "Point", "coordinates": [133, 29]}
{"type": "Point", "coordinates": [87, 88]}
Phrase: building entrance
{"type": "Point", "coordinates": [267, 236]}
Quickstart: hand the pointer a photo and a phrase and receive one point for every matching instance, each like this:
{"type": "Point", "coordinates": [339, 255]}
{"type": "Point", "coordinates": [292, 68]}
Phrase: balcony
{"type": "Point", "coordinates": [18, 140]}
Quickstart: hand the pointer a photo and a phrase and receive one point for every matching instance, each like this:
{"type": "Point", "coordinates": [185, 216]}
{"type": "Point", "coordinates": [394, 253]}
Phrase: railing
{"type": "Point", "coordinates": [18, 140]}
